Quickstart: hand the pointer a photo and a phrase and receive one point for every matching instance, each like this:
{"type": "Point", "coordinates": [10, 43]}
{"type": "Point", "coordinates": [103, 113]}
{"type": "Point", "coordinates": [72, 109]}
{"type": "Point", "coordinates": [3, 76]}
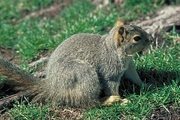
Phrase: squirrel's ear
{"type": "Point", "coordinates": [119, 35]}
{"type": "Point", "coordinates": [119, 22]}
{"type": "Point", "coordinates": [122, 31]}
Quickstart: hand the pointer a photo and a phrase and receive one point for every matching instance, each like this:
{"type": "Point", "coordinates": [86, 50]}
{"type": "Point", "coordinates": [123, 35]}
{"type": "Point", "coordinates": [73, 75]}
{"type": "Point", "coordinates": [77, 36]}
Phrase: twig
{"type": "Point", "coordinates": [52, 10]}
{"type": "Point", "coordinates": [35, 63]}
{"type": "Point", "coordinates": [5, 102]}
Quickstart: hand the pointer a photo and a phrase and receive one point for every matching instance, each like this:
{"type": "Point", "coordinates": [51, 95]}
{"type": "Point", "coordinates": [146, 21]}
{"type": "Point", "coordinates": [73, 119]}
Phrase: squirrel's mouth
{"type": "Point", "coordinates": [144, 50]}
{"type": "Point", "coordinates": [141, 53]}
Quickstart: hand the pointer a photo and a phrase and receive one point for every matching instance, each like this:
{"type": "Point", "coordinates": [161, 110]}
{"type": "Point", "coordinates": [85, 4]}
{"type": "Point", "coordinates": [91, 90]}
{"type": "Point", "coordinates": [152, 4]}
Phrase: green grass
{"type": "Point", "coordinates": [29, 112]}
{"type": "Point", "coordinates": [140, 105]}
{"type": "Point", "coordinates": [30, 37]}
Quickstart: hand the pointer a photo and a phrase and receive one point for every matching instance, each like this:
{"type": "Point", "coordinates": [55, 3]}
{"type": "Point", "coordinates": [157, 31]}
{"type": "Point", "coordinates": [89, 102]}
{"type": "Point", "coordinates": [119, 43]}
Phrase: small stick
{"type": "Point", "coordinates": [5, 102]}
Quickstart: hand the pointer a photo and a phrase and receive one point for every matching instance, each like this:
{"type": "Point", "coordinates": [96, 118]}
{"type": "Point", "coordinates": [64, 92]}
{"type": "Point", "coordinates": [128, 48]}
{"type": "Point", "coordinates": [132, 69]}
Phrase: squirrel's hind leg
{"type": "Point", "coordinates": [81, 86]}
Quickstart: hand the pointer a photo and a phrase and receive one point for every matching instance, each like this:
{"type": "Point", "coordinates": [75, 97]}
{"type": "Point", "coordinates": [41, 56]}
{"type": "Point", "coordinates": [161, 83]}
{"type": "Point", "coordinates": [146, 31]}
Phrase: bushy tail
{"type": "Point", "coordinates": [18, 77]}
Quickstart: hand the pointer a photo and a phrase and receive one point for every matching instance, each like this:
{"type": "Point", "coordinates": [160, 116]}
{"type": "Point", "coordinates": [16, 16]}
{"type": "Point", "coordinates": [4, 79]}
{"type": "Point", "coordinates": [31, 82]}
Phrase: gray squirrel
{"type": "Point", "coordinates": [83, 66]}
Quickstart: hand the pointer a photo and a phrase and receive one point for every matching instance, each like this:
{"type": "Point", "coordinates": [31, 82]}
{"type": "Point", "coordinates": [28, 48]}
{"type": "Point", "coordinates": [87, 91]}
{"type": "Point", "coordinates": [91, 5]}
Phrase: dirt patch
{"type": "Point", "coordinates": [170, 112]}
{"type": "Point", "coordinates": [68, 113]}
{"type": "Point", "coordinates": [9, 54]}
{"type": "Point", "coordinates": [62, 113]}
{"type": "Point", "coordinates": [51, 11]}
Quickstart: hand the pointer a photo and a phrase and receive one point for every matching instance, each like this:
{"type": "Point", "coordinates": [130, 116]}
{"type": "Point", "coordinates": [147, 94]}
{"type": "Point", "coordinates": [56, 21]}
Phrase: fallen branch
{"type": "Point", "coordinates": [35, 63]}
{"type": "Point", "coordinates": [51, 10]}
{"type": "Point", "coordinates": [7, 101]}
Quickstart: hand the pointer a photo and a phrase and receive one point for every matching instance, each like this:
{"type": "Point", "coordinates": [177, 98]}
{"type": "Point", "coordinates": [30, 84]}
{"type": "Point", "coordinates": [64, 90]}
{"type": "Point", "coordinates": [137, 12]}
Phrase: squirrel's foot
{"type": "Point", "coordinates": [124, 101]}
{"type": "Point", "coordinates": [110, 100]}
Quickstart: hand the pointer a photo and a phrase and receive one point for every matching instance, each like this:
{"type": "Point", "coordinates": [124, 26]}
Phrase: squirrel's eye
{"type": "Point", "coordinates": [137, 38]}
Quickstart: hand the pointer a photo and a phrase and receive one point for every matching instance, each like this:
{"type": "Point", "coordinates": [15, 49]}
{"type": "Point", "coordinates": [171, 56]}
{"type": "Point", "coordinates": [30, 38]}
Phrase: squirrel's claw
{"type": "Point", "coordinates": [112, 99]}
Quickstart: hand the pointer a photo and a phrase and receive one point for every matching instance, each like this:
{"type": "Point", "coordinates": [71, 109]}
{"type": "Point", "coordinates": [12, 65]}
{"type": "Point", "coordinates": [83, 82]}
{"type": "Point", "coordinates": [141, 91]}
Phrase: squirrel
{"type": "Point", "coordinates": [82, 67]}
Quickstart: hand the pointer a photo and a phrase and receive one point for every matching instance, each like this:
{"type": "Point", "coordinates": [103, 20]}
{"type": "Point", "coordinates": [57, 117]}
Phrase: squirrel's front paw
{"type": "Point", "coordinates": [110, 100]}
{"type": "Point", "coordinates": [124, 101]}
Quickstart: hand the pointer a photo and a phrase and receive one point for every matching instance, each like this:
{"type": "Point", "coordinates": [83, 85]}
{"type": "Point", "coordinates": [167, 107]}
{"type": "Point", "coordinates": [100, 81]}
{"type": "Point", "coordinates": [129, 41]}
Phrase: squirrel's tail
{"type": "Point", "coordinates": [19, 78]}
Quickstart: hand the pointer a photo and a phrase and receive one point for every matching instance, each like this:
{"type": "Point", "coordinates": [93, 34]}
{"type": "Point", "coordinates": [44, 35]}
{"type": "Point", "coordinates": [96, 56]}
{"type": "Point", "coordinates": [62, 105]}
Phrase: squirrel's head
{"type": "Point", "coordinates": [131, 38]}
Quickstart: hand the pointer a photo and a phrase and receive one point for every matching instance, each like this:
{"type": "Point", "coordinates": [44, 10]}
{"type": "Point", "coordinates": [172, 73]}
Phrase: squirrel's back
{"type": "Point", "coordinates": [76, 46]}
